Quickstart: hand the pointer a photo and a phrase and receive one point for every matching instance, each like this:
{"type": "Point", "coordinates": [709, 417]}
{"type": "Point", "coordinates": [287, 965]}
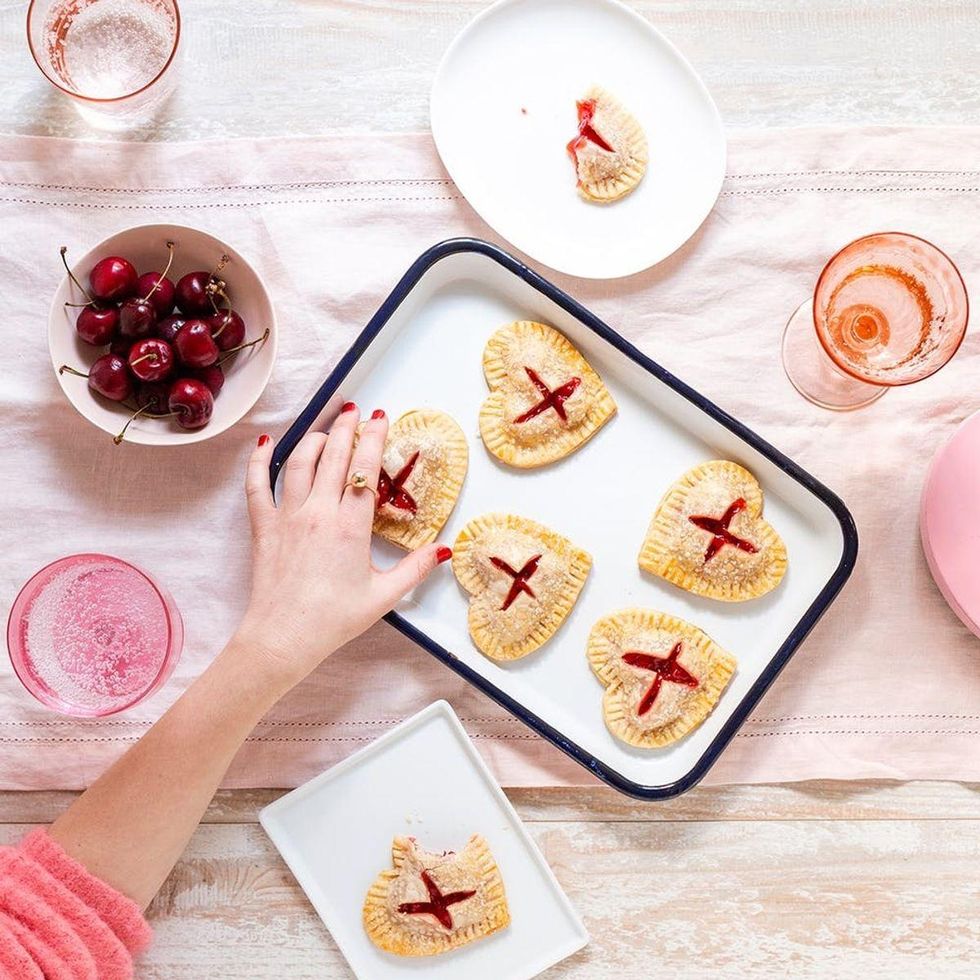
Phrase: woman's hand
{"type": "Point", "coordinates": [313, 584]}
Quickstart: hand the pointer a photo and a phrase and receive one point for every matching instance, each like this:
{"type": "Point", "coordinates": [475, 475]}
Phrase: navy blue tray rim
{"type": "Point", "coordinates": [819, 606]}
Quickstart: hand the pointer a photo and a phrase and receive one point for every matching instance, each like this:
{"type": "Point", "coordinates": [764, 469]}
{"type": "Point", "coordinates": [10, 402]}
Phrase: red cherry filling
{"type": "Point", "coordinates": [520, 578]}
{"type": "Point", "coordinates": [718, 528]}
{"type": "Point", "coordinates": [586, 133]}
{"type": "Point", "coordinates": [438, 904]}
{"type": "Point", "coordinates": [664, 669]}
{"type": "Point", "coordinates": [549, 398]}
{"type": "Point", "coordinates": [391, 490]}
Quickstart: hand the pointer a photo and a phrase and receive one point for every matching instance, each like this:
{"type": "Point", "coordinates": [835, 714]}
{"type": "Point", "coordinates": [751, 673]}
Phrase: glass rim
{"type": "Point", "coordinates": [115, 98]}
{"type": "Point", "coordinates": [55, 704]}
{"type": "Point", "coordinates": [845, 367]}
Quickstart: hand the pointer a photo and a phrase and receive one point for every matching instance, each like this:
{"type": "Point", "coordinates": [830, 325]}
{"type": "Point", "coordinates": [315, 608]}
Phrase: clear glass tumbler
{"type": "Point", "coordinates": [91, 635]}
{"type": "Point", "coordinates": [112, 57]}
{"type": "Point", "coordinates": [889, 309]}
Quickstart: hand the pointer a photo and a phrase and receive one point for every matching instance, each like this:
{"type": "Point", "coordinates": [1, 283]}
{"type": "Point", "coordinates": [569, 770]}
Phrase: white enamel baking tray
{"type": "Point", "coordinates": [422, 779]}
{"type": "Point", "coordinates": [424, 348]}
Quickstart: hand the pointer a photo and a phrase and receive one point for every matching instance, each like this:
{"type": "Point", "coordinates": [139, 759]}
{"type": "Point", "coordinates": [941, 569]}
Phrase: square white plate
{"type": "Point", "coordinates": [424, 349]}
{"type": "Point", "coordinates": [422, 779]}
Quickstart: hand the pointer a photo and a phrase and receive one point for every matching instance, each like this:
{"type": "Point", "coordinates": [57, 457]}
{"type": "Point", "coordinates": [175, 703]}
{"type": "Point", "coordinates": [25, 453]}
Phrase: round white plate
{"type": "Point", "coordinates": [503, 110]}
{"type": "Point", "coordinates": [145, 246]}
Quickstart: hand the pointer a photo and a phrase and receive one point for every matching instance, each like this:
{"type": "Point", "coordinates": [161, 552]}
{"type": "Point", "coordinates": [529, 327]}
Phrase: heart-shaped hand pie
{"type": "Point", "coordinates": [708, 535]}
{"type": "Point", "coordinates": [422, 472]}
{"type": "Point", "coordinates": [610, 151]}
{"type": "Point", "coordinates": [523, 580]}
{"type": "Point", "coordinates": [545, 400]}
{"type": "Point", "coordinates": [430, 903]}
{"type": "Point", "coordinates": [662, 675]}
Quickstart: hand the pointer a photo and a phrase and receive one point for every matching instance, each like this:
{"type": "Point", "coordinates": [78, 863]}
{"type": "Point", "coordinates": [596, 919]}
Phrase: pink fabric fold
{"type": "Point", "coordinates": [59, 922]}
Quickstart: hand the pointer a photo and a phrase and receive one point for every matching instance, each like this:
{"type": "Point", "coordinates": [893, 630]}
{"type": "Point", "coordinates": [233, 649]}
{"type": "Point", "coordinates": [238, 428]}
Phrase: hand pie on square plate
{"type": "Point", "coordinates": [430, 903]}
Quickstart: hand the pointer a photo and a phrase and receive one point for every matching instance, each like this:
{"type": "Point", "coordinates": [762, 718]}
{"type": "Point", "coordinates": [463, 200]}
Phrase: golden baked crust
{"type": "Point", "coordinates": [523, 362]}
{"type": "Point", "coordinates": [507, 621]}
{"type": "Point", "coordinates": [471, 881]}
{"type": "Point", "coordinates": [610, 153]}
{"type": "Point", "coordinates": [684, 675]}
{"type": "Point", "coordinates": [425, 458]}
{"type": "Point", "coordinates": [745, 562]}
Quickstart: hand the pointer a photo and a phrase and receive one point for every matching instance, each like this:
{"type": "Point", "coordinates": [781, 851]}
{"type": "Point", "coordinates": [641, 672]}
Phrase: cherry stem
{"type": "Point", "coordinates": [170, 262]}
{"type": "Point", "coordinates": [215, 286]}
{"type": "Point", "coordinates": [71, 370]}
{"type": "Point", "coordinates": [151, 356]}
{"type": "Point", "coordinates": [71, 276]}
{"type": "Point", "coordinates": [251, 343]}
{"type": "Point", "coordinates": [225, 322]}
{"type": "Point", "coordinates": [145, 413]}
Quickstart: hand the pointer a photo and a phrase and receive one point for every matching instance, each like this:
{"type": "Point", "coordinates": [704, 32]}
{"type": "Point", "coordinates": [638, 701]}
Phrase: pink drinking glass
{"type": "Point", "coordinates": [91, 635]}
{"type": "Point", "coordinates": [113, 58]}
{"type": "Point", "coordinates": [889, 309]}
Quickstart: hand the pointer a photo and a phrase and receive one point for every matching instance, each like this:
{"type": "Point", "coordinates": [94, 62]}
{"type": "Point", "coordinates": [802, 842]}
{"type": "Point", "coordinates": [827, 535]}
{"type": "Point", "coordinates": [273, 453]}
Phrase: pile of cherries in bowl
{"type": "Point", "coordinates": [166, 342]}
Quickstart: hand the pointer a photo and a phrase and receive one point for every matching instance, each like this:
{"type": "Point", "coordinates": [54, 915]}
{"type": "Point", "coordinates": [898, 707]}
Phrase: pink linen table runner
{"type": "Point", "coordinates": [888, 685]}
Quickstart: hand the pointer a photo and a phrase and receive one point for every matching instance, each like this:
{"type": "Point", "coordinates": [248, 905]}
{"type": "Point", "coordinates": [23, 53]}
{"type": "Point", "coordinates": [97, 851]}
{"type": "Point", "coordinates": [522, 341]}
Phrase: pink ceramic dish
{"type": "Point", "coordinates": [949, 522]}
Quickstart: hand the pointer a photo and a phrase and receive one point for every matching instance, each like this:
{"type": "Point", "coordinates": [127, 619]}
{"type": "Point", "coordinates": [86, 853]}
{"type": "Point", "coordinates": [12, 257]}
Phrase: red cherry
{"type": "Point", "coordinates": [108, 376]}
{"type": "Point", "coordinates": [192, 293]}
{"type": "Point", "coordinates": [97, 326]}
{"type": "Point", "coordinates": [227, 328]}
{"type": "Point", "coordinates": [192, 403]}
{"type": "Point", "coordinates": [137, 318]}
{"type": "Point", "coordinates": [195, 346]}
{"type": "Point", "coordinates": [213, 377]}
{"type": "Point", "coordinates": [112, 279]}
{"type": "Point", "coordinates": [151, 359]}
{"type": "Point", "coordinates": [154, 397]}
{"type": "Point", "coordinates": [159, 290]}
{"type": "Point", "coordinates": [169, 327]}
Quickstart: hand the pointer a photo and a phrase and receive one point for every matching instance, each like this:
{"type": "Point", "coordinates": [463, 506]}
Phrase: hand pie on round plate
{"type": "Point", "coordinates": [708, 536]}
{"type": "Point", "coordinates": [422, 472]}
{"type": "Point", "coordinates": [545, 399]}
{"type": "Point", "coordinates": [430, 903]}
{"type": "Point", "coordinates": [610, 151]}
{"type": "Point", "coordinates": [662, 675]}
{"type": "Point", "coordinates": [523, 580]}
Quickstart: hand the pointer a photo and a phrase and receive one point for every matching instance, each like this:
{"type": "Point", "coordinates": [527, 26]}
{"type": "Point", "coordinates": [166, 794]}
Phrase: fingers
{"type": "Point", "coordinates": [335, 461]}
{"type": "Point", "coordinates": [258, 490]}
{"type": "Point", "coordinates": [411, 571]}
{"type": "Point", "coordinates": [300, 470]}
{"type": "Point", "coordinates": [367, 460]}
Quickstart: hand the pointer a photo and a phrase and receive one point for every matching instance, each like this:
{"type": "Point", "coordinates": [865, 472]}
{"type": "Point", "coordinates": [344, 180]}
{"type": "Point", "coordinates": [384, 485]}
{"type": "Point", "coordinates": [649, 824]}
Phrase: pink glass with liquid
{"type": "Point", "coordinates": [91, 635]}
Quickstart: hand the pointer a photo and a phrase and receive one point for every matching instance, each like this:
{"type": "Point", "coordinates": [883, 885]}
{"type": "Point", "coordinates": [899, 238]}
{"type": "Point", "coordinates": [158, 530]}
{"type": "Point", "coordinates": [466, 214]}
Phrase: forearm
{"type": "Point", "coordinates": [130, 827]}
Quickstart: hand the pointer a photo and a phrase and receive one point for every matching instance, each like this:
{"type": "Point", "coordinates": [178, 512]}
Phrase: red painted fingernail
{"type": "Point", "coordinates": [263, 439]}
{"type": "Point", "coordinates": [378, 413]}
{"type": "Point", "coordinates": [443, 554]}
{"type": "Point", "coordinates": [348, 407]}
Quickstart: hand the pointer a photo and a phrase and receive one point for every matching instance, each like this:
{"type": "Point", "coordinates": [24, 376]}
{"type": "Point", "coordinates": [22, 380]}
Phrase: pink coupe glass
{"type": "Point", "coordinates": [889, 309]}
{"type": "Point", "coordinates": [91, 635]}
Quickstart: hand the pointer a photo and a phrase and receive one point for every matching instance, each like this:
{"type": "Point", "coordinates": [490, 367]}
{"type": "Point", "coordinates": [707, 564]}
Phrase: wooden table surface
{"type": "Point", "coordinates": [813, 880]}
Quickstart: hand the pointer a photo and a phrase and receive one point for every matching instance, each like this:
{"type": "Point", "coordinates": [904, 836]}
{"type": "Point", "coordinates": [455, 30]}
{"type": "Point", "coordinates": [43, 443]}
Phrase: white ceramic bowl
{"type": "Point", "coordinates": [146, 247]}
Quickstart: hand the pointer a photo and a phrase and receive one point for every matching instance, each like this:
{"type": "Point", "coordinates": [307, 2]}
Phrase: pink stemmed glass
{"type": "Point", "coordinates": [889, 309]}
{"type": "Point", "coordinates": [91, 635]}
{"type": "Point", "coordinates": [112, 57]}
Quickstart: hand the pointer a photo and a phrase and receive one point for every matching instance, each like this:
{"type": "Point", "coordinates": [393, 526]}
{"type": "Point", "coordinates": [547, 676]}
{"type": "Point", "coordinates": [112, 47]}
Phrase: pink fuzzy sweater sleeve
{"type": "Point", "coordinates": [58, 922]}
